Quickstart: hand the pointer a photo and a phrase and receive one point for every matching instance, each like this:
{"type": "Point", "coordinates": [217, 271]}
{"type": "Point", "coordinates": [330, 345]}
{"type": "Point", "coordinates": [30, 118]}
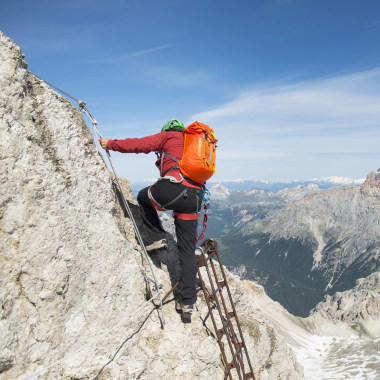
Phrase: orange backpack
{"type": "Point", "coordinates": [198, 159]}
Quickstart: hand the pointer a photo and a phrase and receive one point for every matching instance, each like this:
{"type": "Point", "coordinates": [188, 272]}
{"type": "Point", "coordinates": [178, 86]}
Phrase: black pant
{"type": "Point", "coordinates": [182, 199]}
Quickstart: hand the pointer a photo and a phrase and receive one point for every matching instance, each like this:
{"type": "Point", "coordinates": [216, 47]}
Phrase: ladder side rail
{"type": "Point", "coordinates": [228, 322]}
{"type": "Point", "coordinates": [218, 336]}
{"type": "Point", "coordinates": [219, 332]}
{"type": "Point", "coordinates": [234, 311]}
{"type": "Point", "coordinates": [237, 353]}
{"type": "Point", "coordinates": [231, 346]}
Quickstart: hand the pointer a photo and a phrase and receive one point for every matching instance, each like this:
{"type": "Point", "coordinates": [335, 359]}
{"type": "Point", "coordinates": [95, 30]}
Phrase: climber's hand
{"type": "Point", "coordinates": [103, 142]}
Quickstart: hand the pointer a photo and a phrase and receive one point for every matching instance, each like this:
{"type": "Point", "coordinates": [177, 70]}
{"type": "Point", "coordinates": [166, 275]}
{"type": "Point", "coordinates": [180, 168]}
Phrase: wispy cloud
{"type": "Point", "coordinates": [151, 50]}
{"type": "Point", "coordinates": [171, 75]}
{"type": "Point", "coordinates": [332, 98]}
{"type": "Point", "coordinates": [124, 57]}
{"type": "Point", "coordinates": [301, 113]}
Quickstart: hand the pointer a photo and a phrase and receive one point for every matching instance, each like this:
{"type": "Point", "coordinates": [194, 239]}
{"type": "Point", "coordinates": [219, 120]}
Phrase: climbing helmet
{"type": "Point", "coordinates": [172, 124]}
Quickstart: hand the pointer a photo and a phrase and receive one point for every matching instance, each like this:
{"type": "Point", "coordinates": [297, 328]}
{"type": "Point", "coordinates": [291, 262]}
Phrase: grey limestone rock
{"type": "Point", "coordinates": [342, 224]}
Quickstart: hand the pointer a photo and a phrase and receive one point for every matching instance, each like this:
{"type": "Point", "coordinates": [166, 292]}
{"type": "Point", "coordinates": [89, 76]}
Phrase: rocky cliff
{"type": "Point", "coordinates": [359, 306]}
{"type": "Point", "coordinates": [340, 340]}
{"type": "Point", "coordinates": [316, 245]}
{"type": "Point", "coordinates": [71, 291]}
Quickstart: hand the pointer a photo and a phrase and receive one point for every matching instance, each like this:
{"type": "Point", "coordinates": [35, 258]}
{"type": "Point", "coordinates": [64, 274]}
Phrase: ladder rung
{"type": "Point", "coordinates": [200, 261]}
{"type": "Point", "coordinates": [231, 365]}
{"type": "Point", "coordinates": [218, 289]}
{"type": "Point", "coordinates": [235, 341]}
{"type": "Point", "coordinates": [231, 315]}
{"type": "Point", "coordinates": [227, 320]}
{"type": "Point", "coordinates": [220, 331]}
{"type": "Point", "coordinates": [211, 255]}
{"type": "Point", "coordinates": [210, 298]}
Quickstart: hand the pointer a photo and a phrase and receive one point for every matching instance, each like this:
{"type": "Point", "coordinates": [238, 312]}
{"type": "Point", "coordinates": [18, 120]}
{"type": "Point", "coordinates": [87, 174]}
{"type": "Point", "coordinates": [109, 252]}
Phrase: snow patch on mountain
{"type": "Point", "coordinates": [359, 306]}
{"type": "Point", "coordinates": [339, 180]}
{"type": "Point", "coordinates": [327, 348]}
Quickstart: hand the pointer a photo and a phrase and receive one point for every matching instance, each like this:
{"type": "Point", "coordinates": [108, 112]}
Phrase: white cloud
{"type": "Point", "coordinates": [331, 98]}
{"type": "Point", "coordinates": [329, 110]}
{"type": "Point", "coordinates": [327, 122]}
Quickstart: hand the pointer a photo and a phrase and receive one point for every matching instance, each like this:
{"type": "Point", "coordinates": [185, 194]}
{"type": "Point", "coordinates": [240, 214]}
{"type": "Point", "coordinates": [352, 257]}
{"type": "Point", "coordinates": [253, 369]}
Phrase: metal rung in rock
{"type": "Point", "coordinates": [220, 332]}
{"type": "Point", "coordinates": [223, 313]}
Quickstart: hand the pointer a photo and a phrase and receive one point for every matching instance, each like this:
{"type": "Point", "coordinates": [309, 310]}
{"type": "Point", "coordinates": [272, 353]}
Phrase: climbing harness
{"type": "Point", "coordinates": [226, 323]}
{"type": "Point", "coordinates": [156, 286]}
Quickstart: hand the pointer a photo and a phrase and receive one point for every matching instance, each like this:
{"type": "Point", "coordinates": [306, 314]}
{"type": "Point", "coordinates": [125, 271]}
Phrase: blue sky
{"type": "Point", "coordinates": [291, 87]}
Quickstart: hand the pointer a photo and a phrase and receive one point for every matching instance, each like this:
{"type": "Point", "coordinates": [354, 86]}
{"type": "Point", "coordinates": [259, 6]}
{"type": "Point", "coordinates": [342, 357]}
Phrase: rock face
{"type": "Point", "coordinates": [340, 227]}
{"type": "Point", "coordinates": [334, 342]}
{"type": "Point", "coordinates": [314, 246]}
{"type": "Point", "coordinates": [359, 306]}
{"type": "Point", "coordinates": [371, 189]}
{"type": "Point", "coordinates": [71, 291]}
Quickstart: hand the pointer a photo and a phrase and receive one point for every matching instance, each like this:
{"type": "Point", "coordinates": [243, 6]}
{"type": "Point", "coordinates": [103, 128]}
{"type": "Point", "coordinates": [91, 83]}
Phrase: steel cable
{"type": "Point", "coordinates": [83, 108]}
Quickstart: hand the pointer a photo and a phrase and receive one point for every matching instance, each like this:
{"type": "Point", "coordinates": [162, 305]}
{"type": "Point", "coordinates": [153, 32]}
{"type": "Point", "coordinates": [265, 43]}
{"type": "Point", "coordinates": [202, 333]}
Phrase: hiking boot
{"type": "Point", "coordinates": [185, 310]}
{"type": "Point", "coordinates": [156, 245]}
{"type": "Point", "coordinates": [178, 306]}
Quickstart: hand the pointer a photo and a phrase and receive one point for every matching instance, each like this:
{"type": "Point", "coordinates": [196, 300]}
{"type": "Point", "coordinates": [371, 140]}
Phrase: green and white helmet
{"type": "Point", "coordinates": [172, 124]}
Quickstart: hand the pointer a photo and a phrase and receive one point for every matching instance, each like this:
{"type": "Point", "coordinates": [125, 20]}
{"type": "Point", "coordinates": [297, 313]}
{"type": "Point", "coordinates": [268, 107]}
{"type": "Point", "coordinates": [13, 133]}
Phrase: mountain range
{"type": "Point", "coordinates": [302, 243]}
{"type": "Point", "coordinates": [246, 184]}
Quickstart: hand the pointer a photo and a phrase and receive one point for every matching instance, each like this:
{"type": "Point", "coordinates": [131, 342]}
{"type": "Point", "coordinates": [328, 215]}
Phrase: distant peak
{"type": "Point", "coordinates": [372, 180]}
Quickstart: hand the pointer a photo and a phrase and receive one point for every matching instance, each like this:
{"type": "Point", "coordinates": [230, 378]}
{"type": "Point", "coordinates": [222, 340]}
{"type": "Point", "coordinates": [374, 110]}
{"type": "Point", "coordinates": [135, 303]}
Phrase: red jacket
{"type": "Point", "coordinates": [169, 142]}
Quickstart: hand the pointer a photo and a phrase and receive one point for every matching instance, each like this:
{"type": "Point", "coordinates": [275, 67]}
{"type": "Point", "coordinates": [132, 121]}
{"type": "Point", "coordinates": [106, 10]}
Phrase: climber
{"type": "Point", "coordinates": [171, 192]}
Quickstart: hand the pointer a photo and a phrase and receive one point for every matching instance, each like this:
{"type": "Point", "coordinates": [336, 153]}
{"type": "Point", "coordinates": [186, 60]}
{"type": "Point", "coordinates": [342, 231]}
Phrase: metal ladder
{"type": "Point", "coordinates": [226, 323]}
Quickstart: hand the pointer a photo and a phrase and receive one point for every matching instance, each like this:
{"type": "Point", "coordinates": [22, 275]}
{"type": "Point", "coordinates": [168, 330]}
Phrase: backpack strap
{"type": "Point", "coordinates": [163, 153]}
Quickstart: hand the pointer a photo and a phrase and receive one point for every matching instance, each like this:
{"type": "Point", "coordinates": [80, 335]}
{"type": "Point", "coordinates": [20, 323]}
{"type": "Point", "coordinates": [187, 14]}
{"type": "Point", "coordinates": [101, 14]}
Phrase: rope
{"type": "Point", "coordinates": [204, 226]}
{"type": "Point", "coordinates": [206, 203]}
{"type": "Point", "coordinates": [83, 108]}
